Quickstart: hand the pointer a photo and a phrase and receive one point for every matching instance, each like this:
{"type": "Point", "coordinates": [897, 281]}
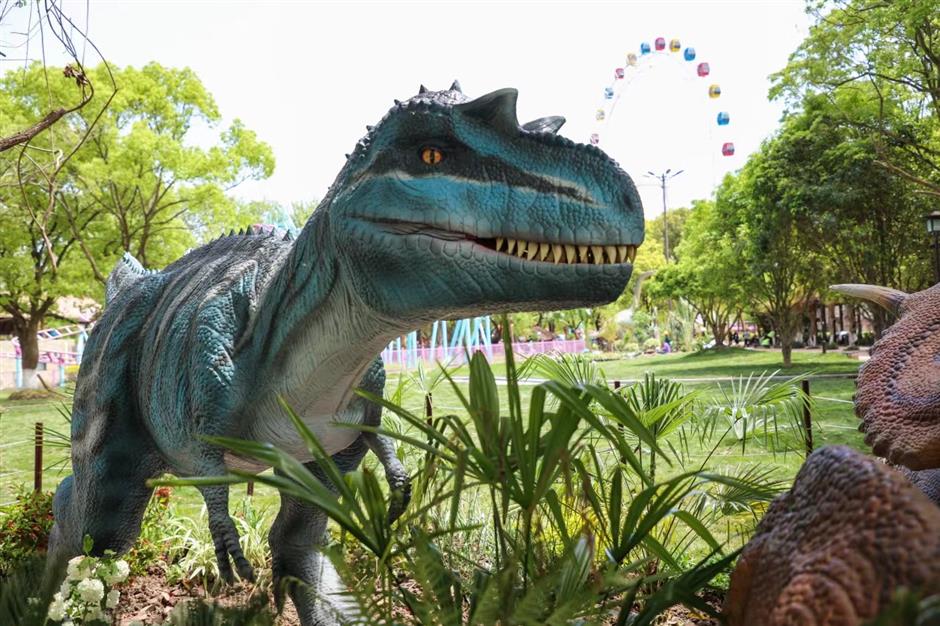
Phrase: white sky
{"type": "Point", "coordinates": [308, 77]}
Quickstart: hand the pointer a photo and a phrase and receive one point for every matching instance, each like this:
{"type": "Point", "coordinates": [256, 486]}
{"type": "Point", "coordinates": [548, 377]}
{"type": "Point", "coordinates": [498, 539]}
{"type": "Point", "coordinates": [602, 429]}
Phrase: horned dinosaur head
{"type": "Point", "coordinates": [450, 206]}
{"type": "Point", "coordinates": [898, 397]}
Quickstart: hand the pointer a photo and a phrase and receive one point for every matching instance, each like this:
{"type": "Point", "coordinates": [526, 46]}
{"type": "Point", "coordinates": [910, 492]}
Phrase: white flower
{"type": "Point", "coordinates": [57, 608]}
{"type": "Point", "coordinates": [95, 614]}
{"type": "Point", "coordinates": [79, 567]}
{"type": "Point", "coordinates": [113, 596]}
{"type": "Point", "coordinates": [117, 573]}
{"type": "Point", "coordinates": [91, 590]}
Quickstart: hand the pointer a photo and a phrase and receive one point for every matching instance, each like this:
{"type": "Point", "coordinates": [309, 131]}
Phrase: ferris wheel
{"type": "Point", "coordinates": [656, 57]}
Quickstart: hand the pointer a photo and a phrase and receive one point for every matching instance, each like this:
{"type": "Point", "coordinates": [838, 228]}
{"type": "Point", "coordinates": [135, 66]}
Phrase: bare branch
{"type": "Point", "coordinates": [930, 188]}
{"type": "Point", "coordinates": [25, 135]}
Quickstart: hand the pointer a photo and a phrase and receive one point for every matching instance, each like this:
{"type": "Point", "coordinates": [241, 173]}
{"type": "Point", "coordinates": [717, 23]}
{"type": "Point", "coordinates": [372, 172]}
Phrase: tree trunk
{"type": "Point", "coordinates": [850, 317]}
{"type": "Point", "coordinates": [29, 345]}
{"type": "Point", "coordinates": [878, 320]}
{"type": "Point", "coordinates": [719, 332]}
{"type": "Point", "coordinates": [786, 348]}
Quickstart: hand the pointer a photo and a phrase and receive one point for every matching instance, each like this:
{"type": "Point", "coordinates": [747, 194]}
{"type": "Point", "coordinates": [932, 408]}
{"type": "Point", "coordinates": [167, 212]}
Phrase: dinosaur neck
{"type": "Point", "coordinates": [316, 322]}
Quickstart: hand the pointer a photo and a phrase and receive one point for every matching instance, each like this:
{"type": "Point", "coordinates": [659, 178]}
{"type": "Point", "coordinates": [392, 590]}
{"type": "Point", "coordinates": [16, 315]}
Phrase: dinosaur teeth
{"type": "Point", "coordinates": [570, 256]}
{"type": "Point", "coordinates": [611, 253]}
{"type": "Point", "coordinates": [565, 252]}
{"type": "Point", "coordinates": [532, 250]}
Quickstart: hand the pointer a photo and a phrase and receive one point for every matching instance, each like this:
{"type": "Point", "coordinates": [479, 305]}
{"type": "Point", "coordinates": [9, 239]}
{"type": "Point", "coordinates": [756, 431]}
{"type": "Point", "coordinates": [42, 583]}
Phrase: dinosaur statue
{"type": "Point", "coordinates": [854, 529]}
{"type": "Point", "coordinates": [446, 208]}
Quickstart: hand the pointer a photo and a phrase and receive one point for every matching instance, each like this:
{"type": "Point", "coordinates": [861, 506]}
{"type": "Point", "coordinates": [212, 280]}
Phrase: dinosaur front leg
{"type": "Point", "coordinates": [398, 480]}
{"type": "Point", "coordinates": [104, 498]}
{"type": "Point", "coordinates": [296, 538]}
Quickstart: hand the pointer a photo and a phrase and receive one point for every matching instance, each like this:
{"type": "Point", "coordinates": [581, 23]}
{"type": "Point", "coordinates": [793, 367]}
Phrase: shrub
{"type": "Point", "coordinates": [650, 344]}
{"type": "Point", "coordinates": [190, 549]}
{"type": "Point", "coordinates": [87, 594]}
{"type": "Point", "coordinates": [25, 528]}
{"type": "Point", "coordinates": [630, 347]}
{"type": "Point", "coordinates": [641, 325]}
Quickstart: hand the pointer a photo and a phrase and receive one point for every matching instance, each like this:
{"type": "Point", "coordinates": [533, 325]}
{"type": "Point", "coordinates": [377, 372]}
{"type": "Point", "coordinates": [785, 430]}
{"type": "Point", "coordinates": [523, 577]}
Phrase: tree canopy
{"type": "Point", "coordinates": [146, 172]}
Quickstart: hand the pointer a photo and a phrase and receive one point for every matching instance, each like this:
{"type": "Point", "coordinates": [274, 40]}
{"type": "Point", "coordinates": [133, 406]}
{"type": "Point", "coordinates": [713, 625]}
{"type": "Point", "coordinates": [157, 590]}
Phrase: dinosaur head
{"type": "Point", "coordinates": [898, 397]}
{"type": "Point", "coordinates": [450, 207]}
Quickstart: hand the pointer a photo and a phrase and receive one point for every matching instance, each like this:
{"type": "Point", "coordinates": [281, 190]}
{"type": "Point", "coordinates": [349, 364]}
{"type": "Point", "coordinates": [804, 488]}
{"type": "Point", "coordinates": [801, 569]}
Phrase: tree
{"type": "Point", "coordinates": [707, 274]}
{"type": "Point", "coordinates": [135, 182]}
{"type": "Point", "coordinates": [160, 193]}
{"type": "Point", "coordinates": [865, 222]}
{"type": "Point", "coordinates": [35, 239]}
{"type": "Point", "coordinates": [45, 18]}
{"type": "Point", "coordinates": [891, 50]}
{"type": "Point", "coordinates": [675, 219]}
{"type": "Point", "coordinates": [781, 274]}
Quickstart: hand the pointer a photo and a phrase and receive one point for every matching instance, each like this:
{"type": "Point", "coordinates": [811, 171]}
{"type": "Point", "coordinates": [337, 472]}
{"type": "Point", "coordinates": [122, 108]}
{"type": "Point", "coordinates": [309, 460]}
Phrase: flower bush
{"type": "Point", "coordinates": [24, 528]}
{"type": "Point", "coordinates": [87, 594]}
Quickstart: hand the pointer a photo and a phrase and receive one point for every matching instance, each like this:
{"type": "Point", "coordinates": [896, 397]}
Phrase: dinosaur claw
{"type": "Point", "coordinates": [225, 569]}
{"type": "Point", "coordinates": [400, 498]}
{"type": "Point", "coordinates": [228, 550]}
{"type": "Point", "coordinates": [244, 569]}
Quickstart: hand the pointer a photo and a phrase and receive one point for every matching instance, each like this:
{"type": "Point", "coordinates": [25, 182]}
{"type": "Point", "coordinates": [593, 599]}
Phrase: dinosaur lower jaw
{"type": "Point", "coordinates": [527, 250]}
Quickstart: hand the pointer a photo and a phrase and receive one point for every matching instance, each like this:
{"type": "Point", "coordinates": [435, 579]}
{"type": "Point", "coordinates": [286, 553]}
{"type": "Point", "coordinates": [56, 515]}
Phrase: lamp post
{"type": "Point", "coordinates": [933, 227]}
{"type": "Point", "coordinates": [668, 175]}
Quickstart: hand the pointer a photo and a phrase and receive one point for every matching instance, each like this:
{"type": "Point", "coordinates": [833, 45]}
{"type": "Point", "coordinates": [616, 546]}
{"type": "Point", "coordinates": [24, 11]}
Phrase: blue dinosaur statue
{"type": "Point", "coordinates": [446, 208]}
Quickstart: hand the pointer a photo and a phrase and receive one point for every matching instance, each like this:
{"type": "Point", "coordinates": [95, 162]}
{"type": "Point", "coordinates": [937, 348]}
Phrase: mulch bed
{"type": "Point", "coordinates": [149, 600]}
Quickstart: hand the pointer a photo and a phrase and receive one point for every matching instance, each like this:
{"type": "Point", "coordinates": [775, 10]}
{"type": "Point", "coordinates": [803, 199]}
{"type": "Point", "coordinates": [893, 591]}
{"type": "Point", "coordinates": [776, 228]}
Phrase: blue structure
{"type": "Point", "coordinates": [723, 118]}
{"type": "Point", "coordinates": [689, 54]}
{"type": "Point", "coordinates": [645, 48]}
{"type": "Point", "coordinates": [466, 334]}
{"type": "Point", "coordinates": [608, 92]}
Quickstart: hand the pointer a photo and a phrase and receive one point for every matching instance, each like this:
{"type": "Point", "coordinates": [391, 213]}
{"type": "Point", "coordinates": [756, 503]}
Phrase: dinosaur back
{"type": "Point", "coordinates": [162, 351]}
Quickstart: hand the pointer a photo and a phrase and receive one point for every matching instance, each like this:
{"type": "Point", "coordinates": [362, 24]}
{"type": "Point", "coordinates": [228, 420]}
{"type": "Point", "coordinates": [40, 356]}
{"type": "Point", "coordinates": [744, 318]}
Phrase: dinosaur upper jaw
{"type": "Point", "coordinates": [523, 247]}
{"type": "Point", "coordinates": [412, 272]}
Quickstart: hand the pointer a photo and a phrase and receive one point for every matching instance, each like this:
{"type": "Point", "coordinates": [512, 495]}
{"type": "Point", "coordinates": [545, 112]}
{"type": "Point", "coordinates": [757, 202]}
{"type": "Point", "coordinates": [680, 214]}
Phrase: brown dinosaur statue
{"type": "Point", "coordinates": [853, 529]}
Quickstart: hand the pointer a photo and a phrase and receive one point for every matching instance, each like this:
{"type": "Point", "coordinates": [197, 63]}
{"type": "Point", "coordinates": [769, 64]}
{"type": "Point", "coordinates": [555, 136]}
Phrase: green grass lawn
{"type": "Point", "coordinates": [834, 421]}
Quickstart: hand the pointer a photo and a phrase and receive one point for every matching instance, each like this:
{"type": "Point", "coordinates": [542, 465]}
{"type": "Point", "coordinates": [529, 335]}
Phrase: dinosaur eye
{"type": "Point", "coordinates": [431, 156]}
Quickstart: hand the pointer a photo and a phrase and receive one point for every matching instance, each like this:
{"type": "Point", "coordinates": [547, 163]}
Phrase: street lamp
{"type": "Point", "coordinates": [667, 175]}
{"type": "Point", "coordinates": [933, 227]}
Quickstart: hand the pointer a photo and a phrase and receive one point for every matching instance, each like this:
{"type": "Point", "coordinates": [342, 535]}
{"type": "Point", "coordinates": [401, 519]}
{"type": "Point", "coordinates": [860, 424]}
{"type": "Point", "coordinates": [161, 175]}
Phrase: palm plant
{"type": "Point", "coordinates": [754, 406]}
{"type": "Point", "coordinates": [562, 538]}
{"type": "Point", "coordinates": [573, 370]}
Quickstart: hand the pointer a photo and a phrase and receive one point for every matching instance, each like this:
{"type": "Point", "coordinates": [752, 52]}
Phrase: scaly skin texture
{"type": "Point", "coordinates": [447, 208]}
{"type": "Point", "coordinates": [853, 529]}
{"type": "Point", "coordinates": [928, 481]}
{"type": "Point", "coordinates": [898, 397]}
{"type": "Point", "coordinates": [833, 550]}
